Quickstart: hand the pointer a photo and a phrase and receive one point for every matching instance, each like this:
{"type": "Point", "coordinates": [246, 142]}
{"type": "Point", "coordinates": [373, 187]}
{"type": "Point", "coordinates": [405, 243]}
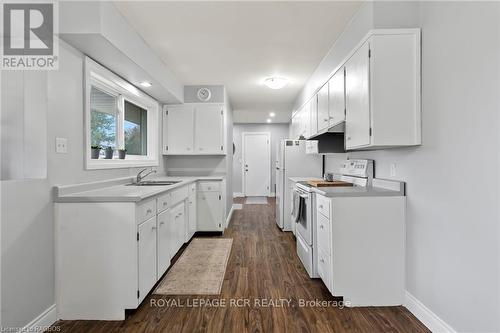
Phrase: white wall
{"type": "Point", "coordinates": [27, 281]}
{"type": "Point", "coordinates": [278, 132]}
{"type": "Point", "coordinates": [452, 178]}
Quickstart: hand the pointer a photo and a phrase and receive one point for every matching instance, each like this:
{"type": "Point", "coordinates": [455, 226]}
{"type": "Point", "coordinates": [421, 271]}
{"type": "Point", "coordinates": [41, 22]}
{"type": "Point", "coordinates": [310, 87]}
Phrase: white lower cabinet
{"type": "Point", "coordinates": [110, 254]}
{"type": "Point", "coordinates": [146, 241]}
{"type": "Point", "coordinates": [360, 248]}
{"type": "Point", "coordinates": [191, 216]}
{"type": "Point", "coordinates": [164, 240]}
{"type": "Point", "coordinates": [209, 208]}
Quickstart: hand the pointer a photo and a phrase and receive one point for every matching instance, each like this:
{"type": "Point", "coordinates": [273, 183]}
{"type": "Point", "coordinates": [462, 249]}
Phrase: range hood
{"type": "Point", "coordinates": [329, 142]}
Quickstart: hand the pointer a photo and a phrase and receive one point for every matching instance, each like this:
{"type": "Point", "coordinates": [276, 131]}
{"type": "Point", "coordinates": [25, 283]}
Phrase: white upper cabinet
{"type": "Point", "coordinates": [313, 117]}
{"type": "Point", "coordinates": [295, 127]}
{"type": "Point", "coordinates": [208, 135]}
{"type": "Point", "coordinates": [178, 135]}
{"type": "Point", "coordinates": [336, 98]}
{"type": "Point", "coordinates": [193, 129]}
{"type": "Point", "coordinates": [383, 91]}
{"type": "Point", "coordinates": [375, 91]}
{"type": "Point", "coordinates": [323, 114]}
{"type": "Point", "coordinates": [358, 99]}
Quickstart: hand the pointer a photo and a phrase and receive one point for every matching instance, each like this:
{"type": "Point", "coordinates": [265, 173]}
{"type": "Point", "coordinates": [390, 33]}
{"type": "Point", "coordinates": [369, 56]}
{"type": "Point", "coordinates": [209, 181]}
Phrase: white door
{"type": "Point", "coordinates": [208, 136]}
{"type": "Point", "coordinates": [178, 130]}
{"type": "Point", "coordinates": [147, 256]}
{"type": "Point", "coordinates": [337, 97]}
{"type": "Point", "coordinates": [323, 120]}
{"type": "Point", "coordinates": [357, 98]}
{"type": "Point", "coordinates": [163, 260]}
{"type": "Point", "coordinates": [256, 164]}
{"type": "Point", "coordinates": [209, 211]}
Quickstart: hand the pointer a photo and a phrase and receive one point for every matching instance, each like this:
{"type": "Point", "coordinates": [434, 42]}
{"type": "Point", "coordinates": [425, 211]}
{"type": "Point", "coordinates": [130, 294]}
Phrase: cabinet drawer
{"type": "Point", "coordinates": [209, 186]}
{"type": "Point", "coordinates": [145, 210]}
{"type": "Point", "coordinates": [179, 194]}
{"type": "Point", "coordinates": [323, 205]}
{"type": "Point", "coordinates": [164, 201]}
{"type": "Point", "coordinates": [324, 237]}
{"type": "Point", "coordinates": [324, 268]}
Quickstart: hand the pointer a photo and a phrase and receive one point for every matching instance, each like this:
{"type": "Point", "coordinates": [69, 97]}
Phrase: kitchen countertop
{"type": "Point", "coordinates": [380, 188]}
{"type": "Point", "coordinates": [356, 191]}
{"type": "Point", "coordinates": [303, 179]}
{"type": "Point", "coordinates": [117, 190]}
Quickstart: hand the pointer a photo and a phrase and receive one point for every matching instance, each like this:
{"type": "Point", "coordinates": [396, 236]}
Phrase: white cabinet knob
{"type": "Point", "coordinates": [149, 211]}
{"type": "Point", "coordinates": [162, 223]}
{"type": "Point", "coordinates": [321, 227]}
{"type": "Point", "coordinates": [165, 203]}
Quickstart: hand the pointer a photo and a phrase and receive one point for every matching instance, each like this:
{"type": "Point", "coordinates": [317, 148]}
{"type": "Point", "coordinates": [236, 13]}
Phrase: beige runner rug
{"type": "Point", "coordinates": [200, 269]}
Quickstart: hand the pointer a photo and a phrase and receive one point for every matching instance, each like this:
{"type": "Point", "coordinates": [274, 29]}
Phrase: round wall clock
{"type": "Point", "coordinates": [204, 94]}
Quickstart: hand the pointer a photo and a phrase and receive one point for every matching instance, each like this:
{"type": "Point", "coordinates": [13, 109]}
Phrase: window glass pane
{"type": "Point", "coordinates": [103, 119]}
{"type": "Point", "coordinates": [136, 129]}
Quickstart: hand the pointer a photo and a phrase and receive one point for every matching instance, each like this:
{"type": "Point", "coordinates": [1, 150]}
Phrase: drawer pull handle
{"type": "Point", "coordinates": [164, 203]}
{"type": "Point", "coordinates": [153, 228]}
{"type": "Point", "coordinates": [162, 223]}
{"type": "Point", "coordinates": [149, 211]}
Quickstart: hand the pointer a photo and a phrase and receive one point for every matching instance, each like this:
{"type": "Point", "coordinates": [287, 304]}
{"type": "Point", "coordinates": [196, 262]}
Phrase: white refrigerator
{"type": "Point", "coordinates": [292, 161]}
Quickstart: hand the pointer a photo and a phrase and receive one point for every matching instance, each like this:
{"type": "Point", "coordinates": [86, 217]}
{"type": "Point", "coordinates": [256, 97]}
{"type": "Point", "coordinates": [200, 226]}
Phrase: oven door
{"type": "Point", "coordinates": [304, 222]}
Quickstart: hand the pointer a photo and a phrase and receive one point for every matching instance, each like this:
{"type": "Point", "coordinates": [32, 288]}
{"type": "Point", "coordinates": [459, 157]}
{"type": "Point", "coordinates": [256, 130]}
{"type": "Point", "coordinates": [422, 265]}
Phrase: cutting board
{"type": "Point", "coordinates": [322, 183]}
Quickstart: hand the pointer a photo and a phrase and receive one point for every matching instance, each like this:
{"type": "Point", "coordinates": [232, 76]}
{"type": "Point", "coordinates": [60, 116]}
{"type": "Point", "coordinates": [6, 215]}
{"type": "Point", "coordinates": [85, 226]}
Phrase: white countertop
{"type": "Point", "coordinates": [355, 191]}
{"type": "Point", "coordinates": [117, 190]}
{"type": "Point", "coordinates": [303, 179]}
{"type": "Point", "coordinates": [380, 188]}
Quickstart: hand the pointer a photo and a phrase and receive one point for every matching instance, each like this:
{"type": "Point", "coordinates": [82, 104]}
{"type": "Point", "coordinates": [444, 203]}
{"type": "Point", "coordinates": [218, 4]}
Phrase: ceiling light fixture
{"type": "Point", "coordinates": [276, 82]}
{"type": "Point", "coordinates": [268, 120]}
{"type": "Point", "coordinates": [146, 84]}
{"type": "Point", "coordinates": [272, 114]}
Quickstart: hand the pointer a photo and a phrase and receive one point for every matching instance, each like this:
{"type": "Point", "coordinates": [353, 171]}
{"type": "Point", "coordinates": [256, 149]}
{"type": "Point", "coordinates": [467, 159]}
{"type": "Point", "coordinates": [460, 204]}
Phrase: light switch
{"type": "Point", "coordinates": [61, 145]}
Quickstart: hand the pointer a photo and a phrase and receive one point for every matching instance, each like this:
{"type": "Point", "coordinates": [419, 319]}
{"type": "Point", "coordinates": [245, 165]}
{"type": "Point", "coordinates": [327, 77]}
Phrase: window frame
{"type": "Point", "coordinates": [103, 79]}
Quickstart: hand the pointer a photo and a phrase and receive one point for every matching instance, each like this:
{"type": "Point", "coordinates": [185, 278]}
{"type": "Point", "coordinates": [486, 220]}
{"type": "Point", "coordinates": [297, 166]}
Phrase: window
{"type": "Point", "coordinates": [118, 117]}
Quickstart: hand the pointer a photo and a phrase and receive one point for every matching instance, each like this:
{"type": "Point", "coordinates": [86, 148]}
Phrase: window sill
{"type": "Point", "coordinates": [96, 164]}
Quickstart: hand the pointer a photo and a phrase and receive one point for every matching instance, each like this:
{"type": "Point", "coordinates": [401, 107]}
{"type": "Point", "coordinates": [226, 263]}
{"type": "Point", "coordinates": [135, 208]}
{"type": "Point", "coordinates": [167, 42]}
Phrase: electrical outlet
{"type": "Point", "coordinates": [61, 145]}
{"type": "Point", "coordinates": [393, 170]}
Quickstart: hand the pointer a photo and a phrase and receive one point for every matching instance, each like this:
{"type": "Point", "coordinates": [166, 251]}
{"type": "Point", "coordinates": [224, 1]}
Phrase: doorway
{"type": "Point", "coordinates": [256, 166]}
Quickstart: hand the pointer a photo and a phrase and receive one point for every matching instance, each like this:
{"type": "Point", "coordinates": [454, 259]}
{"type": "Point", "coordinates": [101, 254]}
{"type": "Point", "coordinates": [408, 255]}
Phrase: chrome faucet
{"type": "Point", "coordinates": [141, 177]}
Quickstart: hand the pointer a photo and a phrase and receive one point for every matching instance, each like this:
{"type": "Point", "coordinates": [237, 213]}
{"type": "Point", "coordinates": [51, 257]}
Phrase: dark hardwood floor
{"type": "Point", "coordinates": [263, 265]}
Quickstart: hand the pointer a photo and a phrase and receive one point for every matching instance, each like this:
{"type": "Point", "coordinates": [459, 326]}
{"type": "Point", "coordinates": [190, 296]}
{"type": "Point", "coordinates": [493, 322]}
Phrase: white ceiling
{"type": "Point", "coordinates": [238, 44]}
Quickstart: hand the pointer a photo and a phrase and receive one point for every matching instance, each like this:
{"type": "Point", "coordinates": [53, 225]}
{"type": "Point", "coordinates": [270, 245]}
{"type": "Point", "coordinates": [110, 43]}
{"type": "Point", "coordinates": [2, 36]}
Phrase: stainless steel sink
{"type": "Point", "coordinates": [155, 183]}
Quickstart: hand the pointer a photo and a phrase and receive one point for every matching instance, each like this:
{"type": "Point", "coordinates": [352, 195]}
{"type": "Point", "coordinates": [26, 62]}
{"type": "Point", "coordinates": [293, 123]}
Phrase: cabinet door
{"type": "Point", "coordinates": [313, 117]}
{"type": "Point", "coordinates": [180, 225]}
{"type": "Point", "coordinates": [147, 256]}
{"type": "Point", "coordinates": [304, 119]}
{"type": "Point", "coordinates": [164, 255]}
{"type": "Point", "coordinates": [209, 211]}
{"type": "Point", "coordinates": [209, 130]}
{"type": "Point", "coordinates": [178, 133]}
{"type": "Point", "coordinates": [357, 99]}
{"type": "Point", "coordinates": [191, 225]}
{"type": "Point", "coordinates": [323, 116]}
{"type": "Point", "coordinates": [336, 98]}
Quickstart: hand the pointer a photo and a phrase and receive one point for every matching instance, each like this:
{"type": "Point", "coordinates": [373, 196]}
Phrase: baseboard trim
{"type": "Point", "coordinates": [238, 195]}
{"type": "Point", "coordinates": [228, 219]}
{"type": "Point", "coordinates": [43, 321]}
{"type": "Point", "coordinates": [425, 315]}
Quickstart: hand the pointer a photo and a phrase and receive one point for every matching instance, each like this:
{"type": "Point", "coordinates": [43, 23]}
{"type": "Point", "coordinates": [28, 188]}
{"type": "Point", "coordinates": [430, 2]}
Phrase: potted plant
{"type": "Point", "coordinates": [95, 151]}
{"type": "Point", "coordinates": [121, 153]}
{"type": "Point", "coordinates": [108, 153]}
